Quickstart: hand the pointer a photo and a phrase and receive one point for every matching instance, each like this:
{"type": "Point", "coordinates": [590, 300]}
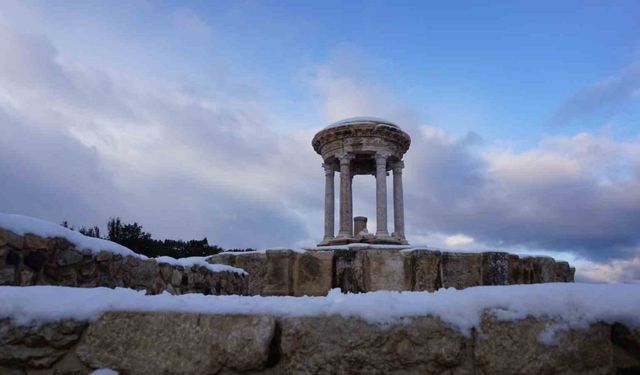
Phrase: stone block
{"type": "Point", "coordinates": [345, 345]}
{"type": "Point", "coordinates": [461, 270]}
{"type": "Point", "coordinates": [255, 264]}
{"type": "Point", "coordinates": [385, 270]}
{"type": "Point", "coordinates": [33, 242]}
{"type": "Point", "coordinates": [27, 277]}
{"type": "Point", "coordinates": [495, 268]}
{"type": "Point", "coordinates": [13, 258]}
{"type": "Point", "coordinates": [7, 276]}
{"type": "Point", "coordinates": [104, 256]}
{"type": "Point", "coordinates": [36, 260]}
{"type": "Point", "coordinates": [157, 343]}
{"type": "Point", "coordinates": [313, 273]}
{"type": "Point", "coordinates": [66, 276]}
{"type": "Point", "coordinates": [143, 274]}
{"type": "Point", "coordinates": [520, 270]}
{"type": "Point", "coordinates": [165, 271]}
{"type": "Point", "coordinates": [8, 238]}
{"type": "Point", "coordinates": [562, 272]}
{"type": "Point", "coordinates": [543, 270]}
{"type": "Point", "coordinates": [350, 275]}
{"type": "Point", "coordinates": [176, 278]}
{"type": "Point", "coordinates": [279, 273]}
{"type": "Point", "coordinates": [69, 257]}
{"type": "Point", "coordinates": [517, 347]}
{"type": "Point", "coordinates": [36, 346]}
{"type": "Point", "coordinates": [3, 255]}
{"type": "Point", "coordinates": [223, 258]}
{"type": "Point", "coordinates": [626, 349]}
{"type": "Point", "coordinates": [88, 269]}
{"type": "Point", "coordinates": [422, 270]}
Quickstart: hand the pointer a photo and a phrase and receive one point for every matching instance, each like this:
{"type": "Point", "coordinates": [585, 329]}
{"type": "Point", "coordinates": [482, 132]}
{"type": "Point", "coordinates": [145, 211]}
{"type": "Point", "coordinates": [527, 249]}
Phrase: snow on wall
{"type": "Point", "coordinates": [199, 261]}
{"type": "Point", "coordinates": [576, 305]}
{"type": "Point", "coordinates": [22, 225]}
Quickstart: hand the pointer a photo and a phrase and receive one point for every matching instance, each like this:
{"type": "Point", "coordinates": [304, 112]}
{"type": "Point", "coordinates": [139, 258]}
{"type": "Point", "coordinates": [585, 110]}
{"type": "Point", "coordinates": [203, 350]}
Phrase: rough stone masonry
{"type": "Point", "coordinates": [178, 343]}
{"type": "Point", "coordinates": [365, 269]}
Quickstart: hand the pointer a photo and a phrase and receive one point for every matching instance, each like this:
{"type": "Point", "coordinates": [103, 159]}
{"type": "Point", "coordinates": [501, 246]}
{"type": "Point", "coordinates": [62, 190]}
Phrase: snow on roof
{"type": "Point", "coordinates": [22, 225]}
{"type": "Point", "coordinates": [359, 120]}
{"type": "Point", "coordinates": [572, 304]}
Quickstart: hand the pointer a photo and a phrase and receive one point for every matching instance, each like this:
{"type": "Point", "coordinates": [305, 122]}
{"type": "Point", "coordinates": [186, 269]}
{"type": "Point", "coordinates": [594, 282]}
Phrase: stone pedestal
{"type": "Point", "coordinates": [360, 224]}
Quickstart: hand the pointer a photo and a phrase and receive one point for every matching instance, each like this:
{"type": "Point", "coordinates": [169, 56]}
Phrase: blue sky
{"type": "Point", "coordinates": [195, 118]}
{"type": "Point", "coordinates": [506, 68]}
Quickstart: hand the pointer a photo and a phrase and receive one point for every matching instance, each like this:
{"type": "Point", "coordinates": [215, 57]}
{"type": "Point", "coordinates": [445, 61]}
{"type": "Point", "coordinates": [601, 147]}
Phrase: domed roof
{"type": "Point", "coordinates": [362, 120]}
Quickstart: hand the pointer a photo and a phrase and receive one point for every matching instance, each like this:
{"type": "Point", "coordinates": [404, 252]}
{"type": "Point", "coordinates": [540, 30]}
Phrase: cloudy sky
{"type": "Point", "coordinates": [195, 119]}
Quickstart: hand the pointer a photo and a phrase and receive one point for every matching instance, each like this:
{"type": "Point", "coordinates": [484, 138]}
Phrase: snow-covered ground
{"type": "Point", "coordinates": [22, 225]}
{"type": "Point", "coordinates": [575, 305]}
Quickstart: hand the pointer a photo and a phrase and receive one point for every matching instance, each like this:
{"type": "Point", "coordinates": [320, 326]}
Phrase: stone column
{"type": "Point", "coordinates": [346, 210]}
{"type": "Point", "coordinates": [329, 202]}
{"type": "Point", "coordinates": [381, 195]}
{"type": "Point", "coordinates": [398, 201]}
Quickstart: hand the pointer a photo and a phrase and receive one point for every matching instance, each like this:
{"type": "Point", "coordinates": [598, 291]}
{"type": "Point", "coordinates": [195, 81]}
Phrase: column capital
{"type": "Point", "coordinates": [398, 166]}
{"type": "Point", "coordinates": [381, 158]}
{"type": "Point", "coordinates": [345, 159]}
{"type": "Point", "coordinates": [328, 169]}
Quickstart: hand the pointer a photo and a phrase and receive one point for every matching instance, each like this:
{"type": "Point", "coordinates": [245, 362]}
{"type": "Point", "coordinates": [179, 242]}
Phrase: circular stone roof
{"type": "Point", "coordinates": [362, 120]}
{"type": "Point", "coordinates": [361, 136]}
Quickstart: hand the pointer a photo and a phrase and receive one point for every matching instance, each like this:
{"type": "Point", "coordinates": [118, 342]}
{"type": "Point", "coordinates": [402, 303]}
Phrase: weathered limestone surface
{"type": "Point", "coordinates": [342, 345]}
{"type": "Point", "coordinates": [386, 270]}
{"type": "Point", "coordinates": [41, 347]}
{"type": "Point", "coordinates": [178, 343]}
{"type": "Point", "coordinates": [495, 268]}
{"type": "Point", "coordinates": [514, 348]}
{"type": "Point", "coordinates": [33, 260]}
{"type": "Point", "coordinates": [362, 269]}
{"type": "Point", "coordinates": [350, 273]}
{"type": "Point", "coordinates": [156, 343]}
{"type": "Point", "coordinates": [279, 276]}
{"type": "Point", "coordinates": [422, 270]}
{"type": "Point", "coordinates": [461, 270]}
{"type": "Point", "coordinates": [255, 264]}
{"type": "Point", "coordinates": [313, 273]}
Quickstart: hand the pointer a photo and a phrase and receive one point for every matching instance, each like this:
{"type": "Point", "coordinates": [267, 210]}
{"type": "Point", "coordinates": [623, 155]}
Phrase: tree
{"type": "Point", "coordinates": [90, 232]}
{"type": "Point", "coordinates": [135, 238]}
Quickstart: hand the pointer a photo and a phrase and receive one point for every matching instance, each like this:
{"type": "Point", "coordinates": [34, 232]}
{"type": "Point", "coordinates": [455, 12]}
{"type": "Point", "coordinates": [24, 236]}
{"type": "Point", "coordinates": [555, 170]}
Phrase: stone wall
{"type": "Point", "coordinates": [315, 272]}
{"type": "Point", "coordinates": [178, 343]}
{"type": "Point", "coordinates": [33, 260]}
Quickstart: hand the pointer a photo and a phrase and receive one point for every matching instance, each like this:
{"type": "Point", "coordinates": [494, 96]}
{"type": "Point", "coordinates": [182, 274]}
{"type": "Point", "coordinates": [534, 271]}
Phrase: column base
{"type": "Point", "coordinates": [326, 241]}
{"type": "Point", "coordinates": [378, 240]}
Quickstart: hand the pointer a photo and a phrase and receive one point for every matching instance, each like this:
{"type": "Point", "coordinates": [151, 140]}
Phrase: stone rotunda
{"type": "Point", "coordinates": [362, 146]}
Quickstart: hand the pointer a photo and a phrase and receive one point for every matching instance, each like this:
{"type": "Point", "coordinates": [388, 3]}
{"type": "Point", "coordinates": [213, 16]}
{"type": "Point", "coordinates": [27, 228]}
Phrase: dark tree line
{"type": "Point", "coordinates": [136, 239]}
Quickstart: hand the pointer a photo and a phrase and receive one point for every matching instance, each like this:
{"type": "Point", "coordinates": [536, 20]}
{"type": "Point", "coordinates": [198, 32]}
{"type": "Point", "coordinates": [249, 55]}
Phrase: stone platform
{"type": "Point", "coordinates": [366, 268]}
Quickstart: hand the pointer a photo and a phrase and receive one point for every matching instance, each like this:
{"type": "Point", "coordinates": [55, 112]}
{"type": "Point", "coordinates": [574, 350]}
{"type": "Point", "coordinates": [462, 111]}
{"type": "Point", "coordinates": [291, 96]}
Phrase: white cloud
{"type": "Point", "coordinates": [459, 240]}
{"type": "Point", "coordinates": [619, 270]}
